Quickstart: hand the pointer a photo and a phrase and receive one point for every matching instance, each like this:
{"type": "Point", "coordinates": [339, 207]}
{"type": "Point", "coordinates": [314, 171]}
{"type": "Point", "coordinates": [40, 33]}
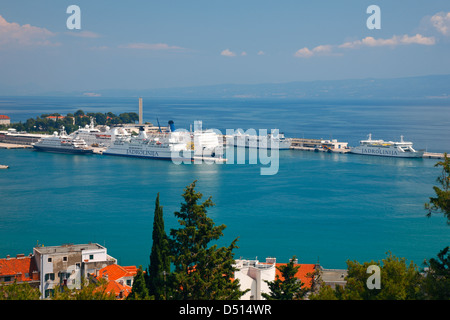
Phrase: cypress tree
{"type": "Point", "coordinates": [159, 256]}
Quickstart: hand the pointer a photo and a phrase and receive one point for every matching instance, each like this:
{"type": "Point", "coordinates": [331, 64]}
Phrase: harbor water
{"type": "Point", "coordinates": [322, 207]}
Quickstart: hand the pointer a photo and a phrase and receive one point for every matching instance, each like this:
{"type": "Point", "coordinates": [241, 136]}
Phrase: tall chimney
{"type": "Point", "coordinates": [140, 111]}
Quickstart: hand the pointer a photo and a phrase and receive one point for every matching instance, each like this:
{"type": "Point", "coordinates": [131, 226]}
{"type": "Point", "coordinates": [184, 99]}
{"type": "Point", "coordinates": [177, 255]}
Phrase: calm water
{"type": "Point", "coordinates": [329, 207]}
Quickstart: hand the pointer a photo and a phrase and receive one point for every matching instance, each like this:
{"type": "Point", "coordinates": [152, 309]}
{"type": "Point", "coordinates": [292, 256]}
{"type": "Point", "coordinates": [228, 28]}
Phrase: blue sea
{"type": "Point", "coordinates": [320, 207]}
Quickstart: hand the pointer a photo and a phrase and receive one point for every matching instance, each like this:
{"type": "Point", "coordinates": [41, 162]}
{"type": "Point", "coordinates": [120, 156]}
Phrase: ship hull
{"type": "Point", "coordinates": [386, 153]}
{"type": "Point", "coordinates": [259, 143]}
{"type": "Point", "coordinates": [149, 154]}
{"type": "Point", "coordinates": [63, 150]}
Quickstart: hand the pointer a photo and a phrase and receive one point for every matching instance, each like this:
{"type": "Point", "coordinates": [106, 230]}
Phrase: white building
{"type": "Point", "coordinates": [68, 265]}
{"type": "Point", "coordinates": [4, 120]}
{"type": "Point", "coordinates": [252, 275]}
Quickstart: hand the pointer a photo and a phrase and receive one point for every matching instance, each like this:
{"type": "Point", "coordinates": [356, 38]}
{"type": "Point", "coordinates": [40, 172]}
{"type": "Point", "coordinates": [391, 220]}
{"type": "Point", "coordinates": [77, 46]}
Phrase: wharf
{"type": "Point", "coordinates": [431, 155]}
{"type": "Point", "coordinates": [14, 146]}
{"type": "Point", "coordinates": [319, 149]}
{"type": "Point", "coordinates": [98, 150]}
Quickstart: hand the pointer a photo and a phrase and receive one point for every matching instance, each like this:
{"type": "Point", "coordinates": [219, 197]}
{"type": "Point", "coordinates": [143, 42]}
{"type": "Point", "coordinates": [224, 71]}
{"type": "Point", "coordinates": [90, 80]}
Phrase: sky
{"type": "Point", "coordinates": [161, 44]}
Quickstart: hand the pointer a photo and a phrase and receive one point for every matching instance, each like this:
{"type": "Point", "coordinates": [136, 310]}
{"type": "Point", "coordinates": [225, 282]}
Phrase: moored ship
{"type": "Point", "coordinates": [401, 149]}
{"type": "Point", "coordinates": [269, 141]}
{"type": "Point", "coordinates": [62, 143]}
{"type": "Point", "coordinates": [171, 145]}
{"type": "Point", "coordinates": [93, 136]}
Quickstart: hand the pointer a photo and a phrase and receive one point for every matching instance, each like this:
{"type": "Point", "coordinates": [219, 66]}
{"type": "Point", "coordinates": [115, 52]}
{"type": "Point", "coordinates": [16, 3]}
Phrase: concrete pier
{"type": "Point", "coordinates": [430, 155]}
{"type": "Point", "coordinates": [14, 146]}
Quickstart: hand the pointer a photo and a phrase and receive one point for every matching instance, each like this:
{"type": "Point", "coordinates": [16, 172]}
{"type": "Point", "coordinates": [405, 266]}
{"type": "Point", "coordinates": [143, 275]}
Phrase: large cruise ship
{"type": "Point", "coordinates": [62, 143]}
{"type": "Point", "coordinates": [93, 136]}
{"type": "Point", "coordinates": [240, 139]}
{"type": "Point", "coordinates": [400, 149]}
{"type": "Point", "coordinates": [171, 145]}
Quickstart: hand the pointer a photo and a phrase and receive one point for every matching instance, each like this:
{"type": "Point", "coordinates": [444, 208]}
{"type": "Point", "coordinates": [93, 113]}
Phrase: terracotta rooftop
{"type": "Point", "coordinates": [114, 272]}
{"type": "Point", "coordinates": [21, 267]}
{"type": "Point", "coordinates": [302, 273]}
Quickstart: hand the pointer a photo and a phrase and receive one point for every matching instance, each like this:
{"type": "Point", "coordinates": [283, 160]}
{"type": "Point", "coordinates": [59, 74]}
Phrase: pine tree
{"type": "Point", "coordinates": [437, 279]}
{"type": "Point", "coordinates": [201, 271]}
{"type": "Point", "coordinates": [159, 257]}
{"type": "Point", "coordinates": [441, 203]}
{"type": "Point", "coordinates": [287, 288]}
{"type": "Point", "coordinates": [139, 289]}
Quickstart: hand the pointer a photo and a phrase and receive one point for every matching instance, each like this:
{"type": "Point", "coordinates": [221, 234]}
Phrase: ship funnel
{"type": "Point", "coordinates": [142, 133]}
{"type": "Point", "coordinates": [171, 126]}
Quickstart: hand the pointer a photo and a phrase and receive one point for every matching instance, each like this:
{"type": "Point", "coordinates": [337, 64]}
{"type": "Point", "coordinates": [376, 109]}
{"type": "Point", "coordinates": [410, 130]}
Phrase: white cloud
{"type": "Point", "coordinates": [227, 53]}
{"type": "Point", "coordinates": [12, 33]}
{"type": "Point", "coordinates": [394, 41]}
{"type": "Point", "coordinates": [260, 53]}
{"type": "Point", "coordinates": [306, 53]}
{"type": "Point", "coordinates": [243, 53]}
{"type": "Point", "coordinates": [441, 22]}
{"type": "Point", "coordinates": [367, 42]}
{"type": "Point", "coordinates": [150, 46]}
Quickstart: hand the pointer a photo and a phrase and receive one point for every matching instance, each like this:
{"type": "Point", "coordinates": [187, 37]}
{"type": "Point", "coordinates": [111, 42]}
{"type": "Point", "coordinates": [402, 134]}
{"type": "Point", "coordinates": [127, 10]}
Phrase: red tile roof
{"type": "Point", "coordinates": [22, 268]}
{"type": "Point", "coordinates": [55, 117]}
{"type": "Point", "coordinates": [302, 273]}
{"type": "Point", "coordinates": [3, 117]}
{"type": "Point", "coordinates": [112, 274]}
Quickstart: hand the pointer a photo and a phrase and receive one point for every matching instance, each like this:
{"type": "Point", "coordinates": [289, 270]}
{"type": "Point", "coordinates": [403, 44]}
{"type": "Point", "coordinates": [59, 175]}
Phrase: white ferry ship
{"type": "Point", "coordinates": [93, 136]}
{"type": "Point", "coordinates": [400, 149]}
{"type": "Point", "coordinates": [171, 145]}
{"type": "Point", "coordinates": [240, 139]}
{"type": "Point", "coordinates": [62, 143]}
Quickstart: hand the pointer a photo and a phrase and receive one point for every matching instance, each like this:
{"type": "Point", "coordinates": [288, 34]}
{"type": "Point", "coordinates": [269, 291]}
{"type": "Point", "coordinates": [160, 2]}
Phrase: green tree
{"type": "Point", "coordinates": [399, 281]}
{"type": "Point", "coordinates": [437, 280]}
{"type": "Point", "coordinates": [441, 203]}
{"type": "Point", "coordinates": [100, 118]}
{"type": "Point", "coordinates": [159, 257]}
{"type": "Point", "coordinates": [288, 286]}
{"type": "Point", "coordinates": [201, 271]}
{"type": "Point", "coordinates": [16, 291]}
{"type": "Point", "coordinates": [79, 113]}
{"type": "Point", "coordinates": [139, 289]}
{"type": "Point", "coordinates": [90, 290]}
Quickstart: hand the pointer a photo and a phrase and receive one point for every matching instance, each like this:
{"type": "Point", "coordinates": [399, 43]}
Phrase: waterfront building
{"type": "Point", "coordinates": [67, 265]}
{"type": "Point", "coordinates": [54, 118]}
{"type": "Point", "coordinates": [332, 277]}
{"type": "Point", "coordinates": [19, 269]}
{"type": "Point", "coordinates": [119, 279]}
{"type": "Point", "coordinates": [4, 120]}
{"type": "Point", "coordinates": [253, 274]}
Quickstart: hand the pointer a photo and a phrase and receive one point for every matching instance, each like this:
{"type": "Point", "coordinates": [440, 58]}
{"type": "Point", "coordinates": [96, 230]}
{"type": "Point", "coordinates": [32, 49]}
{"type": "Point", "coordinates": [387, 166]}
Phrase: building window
{"type": "Point", "coordinates": [49, 260]}
{"type": "Point", "coordinates": [77, 265]}
{"type": "Point", "coordinates": [91, 256]}
{"type": "Point", "coordinates": [65, 259]}
{"type": "Point", "coordinates": [129, 282]}
{"type": "Point", "coordinates": [49, 276]}
{"type": "Point", "coordinates": [49, 293]}
{"type": "Point", "coordinates": [7, 279]}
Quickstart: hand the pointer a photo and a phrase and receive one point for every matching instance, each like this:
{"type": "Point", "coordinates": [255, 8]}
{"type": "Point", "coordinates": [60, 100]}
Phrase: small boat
{"type": "Point", "coordinates": [2, 166]}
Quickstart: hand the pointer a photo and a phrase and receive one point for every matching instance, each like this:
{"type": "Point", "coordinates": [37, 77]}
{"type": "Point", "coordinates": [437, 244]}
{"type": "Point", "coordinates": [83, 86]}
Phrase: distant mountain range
{"type": "Point", "coordinates": [420, 87]}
